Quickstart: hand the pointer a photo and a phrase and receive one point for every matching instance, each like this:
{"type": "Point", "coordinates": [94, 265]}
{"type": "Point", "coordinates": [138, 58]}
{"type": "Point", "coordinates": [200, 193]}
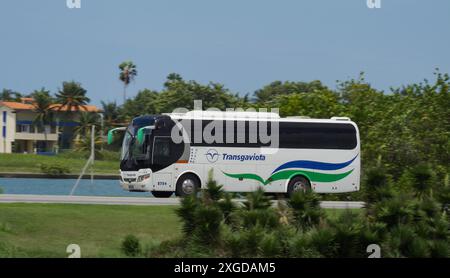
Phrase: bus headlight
{"type": "Point", "coordinates": [143, 177]}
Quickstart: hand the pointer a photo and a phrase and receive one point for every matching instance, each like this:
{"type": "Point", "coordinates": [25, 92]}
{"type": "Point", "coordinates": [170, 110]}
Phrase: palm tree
{"type": "Point", "coordinates": [9, 95]}
{"type": "Point", "coordinates": [42, 107]}
{"type": "Point", "coordinates": [127, 74]}
{"type": "Point", "coordinates": [72, 97]}
{"type": "Point", "coordinates": [85, 123]}
{"type": "Point", "coordinates": [6, 95]}
{"type": "Point", "coordinates": [84, 144]}
{"type": "Point", "coordinates": [110, 112]}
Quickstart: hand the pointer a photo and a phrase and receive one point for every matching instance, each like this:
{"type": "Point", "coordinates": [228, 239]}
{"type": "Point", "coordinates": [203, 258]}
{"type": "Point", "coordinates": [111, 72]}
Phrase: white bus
{"type": "Point", "coordinates": [322, 155]}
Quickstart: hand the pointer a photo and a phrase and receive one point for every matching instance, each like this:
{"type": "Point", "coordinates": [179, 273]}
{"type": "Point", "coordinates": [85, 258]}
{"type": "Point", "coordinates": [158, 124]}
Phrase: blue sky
{"type": "Point", "coordinates": [242, 44]}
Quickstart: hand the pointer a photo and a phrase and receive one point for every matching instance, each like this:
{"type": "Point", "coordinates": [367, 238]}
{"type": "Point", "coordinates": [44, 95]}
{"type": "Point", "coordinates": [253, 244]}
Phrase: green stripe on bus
{"type": "Point", "coordinates": [246, 176]}
{"type": "Point", "coordinates": [282, 175]}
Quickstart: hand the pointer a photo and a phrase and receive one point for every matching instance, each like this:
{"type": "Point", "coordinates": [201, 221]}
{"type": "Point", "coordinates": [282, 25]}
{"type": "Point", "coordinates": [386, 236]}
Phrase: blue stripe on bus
{"type": "Point", "coordinates": [316, 165]}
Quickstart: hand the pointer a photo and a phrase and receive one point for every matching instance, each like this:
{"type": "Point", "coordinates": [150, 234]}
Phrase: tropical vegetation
{"type": "Point", "coordinates": [411, 223]}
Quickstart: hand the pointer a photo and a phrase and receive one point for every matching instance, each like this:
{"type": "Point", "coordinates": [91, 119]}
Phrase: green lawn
{"type": "Point", "coordinates": [31, 163]}
{"type": "Point", "coordinates": [45, 230]}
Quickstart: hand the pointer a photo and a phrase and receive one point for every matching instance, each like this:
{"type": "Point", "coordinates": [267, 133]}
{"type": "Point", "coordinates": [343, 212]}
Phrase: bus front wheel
{"type": "Point", "coordinates": [187, 184]}
{"type": "Point", "coordinates": [298, 183]}
{"type": "Point", "coordinates": [162, 194]}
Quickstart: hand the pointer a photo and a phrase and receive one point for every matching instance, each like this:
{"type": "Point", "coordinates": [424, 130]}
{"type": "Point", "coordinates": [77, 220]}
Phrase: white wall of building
{"type": "Point", "coordinates": [10, 125]}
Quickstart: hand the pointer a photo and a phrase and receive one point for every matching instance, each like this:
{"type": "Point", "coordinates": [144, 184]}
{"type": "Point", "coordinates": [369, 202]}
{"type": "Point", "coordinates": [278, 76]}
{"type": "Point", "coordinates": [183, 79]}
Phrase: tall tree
{"type": "Point", "coordinates": [110, 112]}
{"type": "Point", "coordinates": [278, 88]}
{"type": "Point", "coordinates": [85, 123]}
{"type": "Point", "coordinates": [72, 96]}
{"type": "Point", "coordinates": [42, 107]}
{"type": "Point", "coordinates": [127, 74]}
{"type": "Point", "coordinates": [9, 95]}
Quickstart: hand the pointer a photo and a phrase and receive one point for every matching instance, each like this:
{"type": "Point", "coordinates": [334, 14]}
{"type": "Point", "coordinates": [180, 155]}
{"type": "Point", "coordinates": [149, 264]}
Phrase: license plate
{"type": "Point", "coordinates": [131, 186]}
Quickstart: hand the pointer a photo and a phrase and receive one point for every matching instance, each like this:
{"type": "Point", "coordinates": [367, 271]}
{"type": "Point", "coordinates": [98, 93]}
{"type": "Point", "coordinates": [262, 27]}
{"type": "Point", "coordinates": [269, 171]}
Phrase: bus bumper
{"type": "Point", "coordinates": [136, 180]}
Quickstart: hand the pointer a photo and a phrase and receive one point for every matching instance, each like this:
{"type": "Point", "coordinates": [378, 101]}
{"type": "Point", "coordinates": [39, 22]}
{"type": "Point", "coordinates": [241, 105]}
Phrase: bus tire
{"type": "Point", "coordinates": [162, 194]}
{"type": "Point", "coordinates": [298, 183]}
{"type": "Point", "coordinates": [187, 184]}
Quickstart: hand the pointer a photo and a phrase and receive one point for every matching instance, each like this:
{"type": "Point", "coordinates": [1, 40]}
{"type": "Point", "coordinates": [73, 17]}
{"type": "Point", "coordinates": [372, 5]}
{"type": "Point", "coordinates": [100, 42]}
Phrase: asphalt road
{"type": "Point", "coordinates": [143, 201]}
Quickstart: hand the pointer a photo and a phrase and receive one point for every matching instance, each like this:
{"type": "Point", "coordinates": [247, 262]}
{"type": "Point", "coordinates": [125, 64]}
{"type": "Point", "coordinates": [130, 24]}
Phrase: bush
{"type": "Point", "coordinates": [54, 169]}
{"type": "Point", "coordinates": [306, 209]}
{"type": "Point", "coordinates": [207, 221]}
{"type": "Point", "coordinates": [131, 246]}
{"type": "Point", "coordinates": [403, 224]}
{"type": "Point", "coordinates": [423, 177]}
{"type": "Point", "coordinates": [376, 185]}
{"type": "Point", "coordinates": [99, 155]}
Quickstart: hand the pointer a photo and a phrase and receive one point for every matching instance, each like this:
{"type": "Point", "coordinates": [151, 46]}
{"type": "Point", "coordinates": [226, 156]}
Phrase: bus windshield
{"type": "Point", "coordinates": [132, 148]}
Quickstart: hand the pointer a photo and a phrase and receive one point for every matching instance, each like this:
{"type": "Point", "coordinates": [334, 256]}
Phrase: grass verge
{"type": "Point", "coordinates": [45, 230]}
{"type": "Point", "coordinates": [31, 163]}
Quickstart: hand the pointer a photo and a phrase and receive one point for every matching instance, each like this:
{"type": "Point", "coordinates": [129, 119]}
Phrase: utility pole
{"type": "Point", "coordinates": [90, 162]}
{"type": "Point", "coordinates": [92, 152]}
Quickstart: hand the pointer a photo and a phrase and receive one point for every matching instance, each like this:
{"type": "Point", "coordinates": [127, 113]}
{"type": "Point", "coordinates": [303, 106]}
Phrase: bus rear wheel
{"type": "Point", "coordinates": [187, 184]}
{"type": "Point", "coordinates": [298, 183]}
{"type": "Point", "coordinates": [162, 194]}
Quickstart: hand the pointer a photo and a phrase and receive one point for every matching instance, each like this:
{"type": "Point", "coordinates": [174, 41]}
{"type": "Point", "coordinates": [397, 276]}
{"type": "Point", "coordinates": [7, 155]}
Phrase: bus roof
{"type": "Point", "coordinates": [247, 115]}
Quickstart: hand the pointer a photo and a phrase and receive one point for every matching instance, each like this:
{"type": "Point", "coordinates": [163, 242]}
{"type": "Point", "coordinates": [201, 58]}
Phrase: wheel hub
{"type": "Point", "coordinates": [299, 186]}
{"type": "Point", "coordinates": [188, 186]}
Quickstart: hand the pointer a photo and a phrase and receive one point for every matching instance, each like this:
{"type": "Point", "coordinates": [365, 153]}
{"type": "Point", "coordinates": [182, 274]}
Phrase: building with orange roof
{"type": "Point", "coordinates": [19, 133]}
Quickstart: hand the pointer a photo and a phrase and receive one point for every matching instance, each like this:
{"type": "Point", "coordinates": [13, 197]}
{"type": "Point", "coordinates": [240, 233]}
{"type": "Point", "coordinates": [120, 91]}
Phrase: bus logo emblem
{"type": "Point", "coordinates": [212, 155]}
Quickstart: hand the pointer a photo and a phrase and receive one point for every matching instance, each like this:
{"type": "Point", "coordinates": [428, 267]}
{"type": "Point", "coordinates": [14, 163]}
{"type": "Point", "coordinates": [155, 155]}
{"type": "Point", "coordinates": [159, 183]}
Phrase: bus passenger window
{"type": "Point", "coordinates": [161, 152]}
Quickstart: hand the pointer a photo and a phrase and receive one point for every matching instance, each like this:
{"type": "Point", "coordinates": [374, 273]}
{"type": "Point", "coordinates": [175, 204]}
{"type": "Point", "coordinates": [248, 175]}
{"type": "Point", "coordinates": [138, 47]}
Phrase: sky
{"type": "Point", "coordinates": [243, 44]}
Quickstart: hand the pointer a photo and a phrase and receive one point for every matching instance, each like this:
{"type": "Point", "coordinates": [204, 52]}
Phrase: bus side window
{"type": "Point", "coordinates": [161, 151]}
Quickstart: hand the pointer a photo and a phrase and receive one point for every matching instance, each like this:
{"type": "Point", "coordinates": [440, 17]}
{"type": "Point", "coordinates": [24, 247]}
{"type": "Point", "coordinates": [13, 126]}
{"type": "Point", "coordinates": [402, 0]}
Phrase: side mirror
{"type": "Point", "coordinates": [140, 133]}
{"type": "Point", "coordinates": [111, 134]}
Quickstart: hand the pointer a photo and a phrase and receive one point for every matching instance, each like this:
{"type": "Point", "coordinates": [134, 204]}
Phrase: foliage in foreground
{"type": "Point", "coordinates": [54, 169]}
{"type": "Point", "coordinates": [131, 246]}
{"type": "Point", "coordinates": [411, 224]}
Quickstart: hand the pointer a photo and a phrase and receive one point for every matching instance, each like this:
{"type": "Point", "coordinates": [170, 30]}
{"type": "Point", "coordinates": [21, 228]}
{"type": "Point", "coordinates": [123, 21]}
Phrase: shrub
{"type": "Point", "coordinates": [131, 246]}
{"type": "Point", "coordinates": [99, 155]}
{"type": "Point", "coordinates": [404, 242]}
{"type": "Point", "coordinates": [306, 209]}
{"type": "Point", "coordinates": [207, 221]}
{"type": "Point", "coordinates": [271, 246]}
{"type": "Point", "coordinates": [394, 211]}
{"type": "Point", "coordinates": [257, 200]}
{"type": "Point", "coordinates": [422, 179]}
{"type": "Point", "coordinates": [351, 235]}
{"type": "Point", "coordinates": [202, 216]}
{"type": "Point", "coordinates": [267, 218]}
{"type": "Point", "coordinates": [376, 184]}
{"type": "Point", "coordinates": [443, 194]}
{"type": "Point", "coordinates": [323, 240]}
{"type": "Point", "coordinates": [227, 206]}
{"type": "Point", "coordinates": [404, 225]}
{"type": "Point", "coordinates": [54, 169]}
{"type": "Point", "coordinates": [300, 247]}
{"type": "Point", "coordinates": [186, 212]}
